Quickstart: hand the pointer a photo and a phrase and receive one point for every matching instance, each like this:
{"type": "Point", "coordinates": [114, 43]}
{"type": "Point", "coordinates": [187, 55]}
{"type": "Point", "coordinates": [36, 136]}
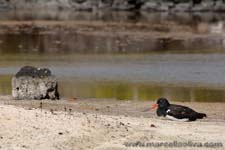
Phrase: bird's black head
{"type": "Point", "coordinates": [163, 103]}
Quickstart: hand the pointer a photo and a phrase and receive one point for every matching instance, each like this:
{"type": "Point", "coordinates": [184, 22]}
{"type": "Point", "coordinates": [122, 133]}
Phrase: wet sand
{"type": "Point", "coordinates": [101, 124]}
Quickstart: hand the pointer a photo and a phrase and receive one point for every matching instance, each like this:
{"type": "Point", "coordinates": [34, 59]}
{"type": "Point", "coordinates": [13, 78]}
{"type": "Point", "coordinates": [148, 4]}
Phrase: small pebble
{"type": "Point", "coordinates": [122, 124]}
{"type": "Point", "coordinates": [24, 146]}
{"type": "Point", "coordinates": [153, 126]}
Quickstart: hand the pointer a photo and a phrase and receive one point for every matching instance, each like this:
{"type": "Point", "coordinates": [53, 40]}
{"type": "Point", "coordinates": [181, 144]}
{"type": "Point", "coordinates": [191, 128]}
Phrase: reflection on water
{"type": "Point", "coordinates": [127, 91]}
{"type": "Point", "coordinates": [5, 84]}
{"type": "Point", "coordinates": [104, 44]}
{"type": "Point", "coordinates": [67, 43]}
{"type": "Point", "coordinates": [71, 42]}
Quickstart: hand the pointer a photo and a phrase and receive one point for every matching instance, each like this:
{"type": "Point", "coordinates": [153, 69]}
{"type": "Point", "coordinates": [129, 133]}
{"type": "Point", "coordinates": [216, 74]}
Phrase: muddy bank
{"type": "Point", "coordinates": [109, 37]}
{"type": "Point", "coordinates": [89, 127]}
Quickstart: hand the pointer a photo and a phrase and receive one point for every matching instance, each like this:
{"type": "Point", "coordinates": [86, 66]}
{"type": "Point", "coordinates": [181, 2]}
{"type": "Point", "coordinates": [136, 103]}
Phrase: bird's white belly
{"type": "Point", "coordinates": [175, 119]}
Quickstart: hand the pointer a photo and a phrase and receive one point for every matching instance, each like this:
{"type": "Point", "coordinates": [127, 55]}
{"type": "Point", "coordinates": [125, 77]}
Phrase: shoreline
{"type": "Point", "coordinates": [129, 108]}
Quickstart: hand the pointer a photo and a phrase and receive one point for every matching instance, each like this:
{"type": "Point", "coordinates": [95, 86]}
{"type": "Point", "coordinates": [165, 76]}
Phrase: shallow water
{"type": "Point", "coordinates": [93, 67]}
{"type": "Point", "coordinates": [180, 77]}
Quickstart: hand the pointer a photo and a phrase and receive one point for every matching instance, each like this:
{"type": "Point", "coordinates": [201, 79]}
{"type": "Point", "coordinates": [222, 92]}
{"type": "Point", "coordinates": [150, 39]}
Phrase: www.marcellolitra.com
{"type": "Point", "coordinates": [174, 144]}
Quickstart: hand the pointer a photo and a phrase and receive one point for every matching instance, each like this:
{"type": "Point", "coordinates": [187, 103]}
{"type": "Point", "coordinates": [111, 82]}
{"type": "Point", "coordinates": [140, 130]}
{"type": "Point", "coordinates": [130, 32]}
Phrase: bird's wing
{"type": "Point", "coordinates": [180, 111]}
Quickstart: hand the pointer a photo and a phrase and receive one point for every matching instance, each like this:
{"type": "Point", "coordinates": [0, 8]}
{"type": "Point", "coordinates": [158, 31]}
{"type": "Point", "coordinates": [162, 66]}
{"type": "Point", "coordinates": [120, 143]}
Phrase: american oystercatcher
{"type": "Point", "coordinates": [175, 112]}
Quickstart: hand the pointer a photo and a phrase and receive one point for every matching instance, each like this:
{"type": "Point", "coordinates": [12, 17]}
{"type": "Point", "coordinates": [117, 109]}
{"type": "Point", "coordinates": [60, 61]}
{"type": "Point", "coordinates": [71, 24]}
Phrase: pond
{"type": "Point", "coordinates": [181, 77]}
{"type": "Point", "coordinates": [93, 67]}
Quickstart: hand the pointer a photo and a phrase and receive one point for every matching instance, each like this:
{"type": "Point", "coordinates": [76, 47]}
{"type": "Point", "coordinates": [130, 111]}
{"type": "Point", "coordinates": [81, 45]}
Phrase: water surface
{"type": "Point", "coordinates": [181, 77]}
{"type": "Point", "coordinates": [98, 67]}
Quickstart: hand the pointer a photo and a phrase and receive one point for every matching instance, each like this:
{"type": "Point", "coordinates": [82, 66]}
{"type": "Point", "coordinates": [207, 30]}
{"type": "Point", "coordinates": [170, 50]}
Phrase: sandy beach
{"type": "Point", "coordinates": [103, 125]}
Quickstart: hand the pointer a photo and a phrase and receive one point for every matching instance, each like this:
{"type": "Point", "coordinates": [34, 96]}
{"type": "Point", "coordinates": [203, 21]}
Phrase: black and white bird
{"type": "Point", "coordinates": [176, 112]}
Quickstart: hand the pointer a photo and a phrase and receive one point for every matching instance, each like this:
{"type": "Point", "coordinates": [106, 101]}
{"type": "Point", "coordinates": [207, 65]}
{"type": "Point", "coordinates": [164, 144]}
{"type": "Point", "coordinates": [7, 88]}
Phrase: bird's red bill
{"type": "Point", "coordinates": [154, 106]}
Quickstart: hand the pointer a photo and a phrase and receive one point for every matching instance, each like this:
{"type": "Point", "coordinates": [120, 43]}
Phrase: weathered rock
{"type": "Point", "coordinates": [144, 5]}
{"type": "Point", "coordinates": [151, 6]}
{"type": "Point", "coordinates": [33, 72]}
{"type": "Point", "coordinates": [34, 83]}
{"type": "Point", "coordinates": [84, 5]}
{"type": "Point", "coordinates": [158, 6]}
{"type": "Point", "coordinates": [121, 5]}
{"type": "Point", "coordinates": [167, 6]}
{"type": "Point", "coordinates": [203, 7]}
{"type": "Point", "coordinates": [183, 7]}
{"type": "Point", "coordinates": [219, 6]}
